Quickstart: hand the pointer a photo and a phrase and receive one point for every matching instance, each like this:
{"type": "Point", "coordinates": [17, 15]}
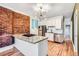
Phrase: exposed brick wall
{"type": "Point", "coordinates": [12, 22]}
{"type": "Point", "coordinates": [5, 20]}
{"type": "Point", "coordinates": [22, 23]}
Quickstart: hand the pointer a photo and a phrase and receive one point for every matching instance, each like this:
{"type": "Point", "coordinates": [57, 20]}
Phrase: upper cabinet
{"type": "Point", "coordinates": [57, 22]}
{"type": "Point", "coordinates": [54, 24]}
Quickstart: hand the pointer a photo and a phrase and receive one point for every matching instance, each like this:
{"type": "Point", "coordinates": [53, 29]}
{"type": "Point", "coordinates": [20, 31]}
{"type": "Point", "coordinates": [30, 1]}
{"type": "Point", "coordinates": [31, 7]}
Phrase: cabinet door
{"type": "Point", "coordinates": [59, 23]}
{"type": "Point", "coordinates": [50, 36]}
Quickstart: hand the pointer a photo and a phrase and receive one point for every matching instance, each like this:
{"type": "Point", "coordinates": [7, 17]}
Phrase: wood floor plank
{"type": "Point", "coordinates": [56, 49]}
{"type": "Point", "coordinates": [11, 52]}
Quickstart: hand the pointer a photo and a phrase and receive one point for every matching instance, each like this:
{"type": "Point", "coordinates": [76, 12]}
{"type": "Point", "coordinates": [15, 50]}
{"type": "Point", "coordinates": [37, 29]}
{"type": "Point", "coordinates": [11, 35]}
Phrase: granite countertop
{"type": "Point", "coordinates": [33, 39]}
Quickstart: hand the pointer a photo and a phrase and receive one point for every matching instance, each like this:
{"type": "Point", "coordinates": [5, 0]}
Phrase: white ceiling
{"type": "Point", "coordinates": [57, 9]}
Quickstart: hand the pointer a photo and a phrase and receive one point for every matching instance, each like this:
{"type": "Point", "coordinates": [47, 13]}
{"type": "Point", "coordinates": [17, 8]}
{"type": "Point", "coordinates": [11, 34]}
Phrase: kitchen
{"type": "Point", "coordinates": [31, 34]}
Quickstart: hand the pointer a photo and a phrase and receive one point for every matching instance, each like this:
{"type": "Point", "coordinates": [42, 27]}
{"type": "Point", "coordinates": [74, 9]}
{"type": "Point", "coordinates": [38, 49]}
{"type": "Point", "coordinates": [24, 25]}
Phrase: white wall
{"type": "Point", "coordinates": [35, 30]}
{"type": "Point", "coordinates": [71, 31]}
{"type": "Point", "coordinates": [67, 21]}
{"type": "Point", "coordinates": [75, 30]}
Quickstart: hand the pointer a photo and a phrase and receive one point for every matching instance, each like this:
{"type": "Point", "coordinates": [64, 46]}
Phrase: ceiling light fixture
{"type": "Point", "coordinates": [41, 10]}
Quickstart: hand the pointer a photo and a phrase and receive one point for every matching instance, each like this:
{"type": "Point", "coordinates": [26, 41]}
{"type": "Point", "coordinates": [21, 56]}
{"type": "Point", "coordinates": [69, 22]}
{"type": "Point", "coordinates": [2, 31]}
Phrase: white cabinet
{"type": "Point", "coordinates": [50, 36]}
{"type": "Point", "coordinates": [30, 49]}
{"type": "Point", "coordinates": [26, 48]}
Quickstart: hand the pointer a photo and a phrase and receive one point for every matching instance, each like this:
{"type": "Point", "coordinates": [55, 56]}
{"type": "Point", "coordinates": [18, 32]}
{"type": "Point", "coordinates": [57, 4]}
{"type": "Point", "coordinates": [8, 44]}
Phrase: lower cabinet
{"type": "Point", "coordinates": [30, 49]}
{"type": "Point", "coordinates": [50, 36]}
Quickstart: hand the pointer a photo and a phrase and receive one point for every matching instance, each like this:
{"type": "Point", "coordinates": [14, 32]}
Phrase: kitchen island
{"type": "Point", "coordinates": [32, 46]}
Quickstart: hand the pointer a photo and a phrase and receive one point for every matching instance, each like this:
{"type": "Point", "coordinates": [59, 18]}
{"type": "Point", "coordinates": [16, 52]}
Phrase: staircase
{"type": "Point", "coordinates": [11, 52]}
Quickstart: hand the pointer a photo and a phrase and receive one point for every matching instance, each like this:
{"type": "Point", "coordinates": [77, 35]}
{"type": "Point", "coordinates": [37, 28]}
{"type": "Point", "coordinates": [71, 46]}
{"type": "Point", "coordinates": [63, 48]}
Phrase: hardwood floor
{"type": "Point", "coordinates": [11, 52]}
{"type": "Point", "coordinates": [56, 49]}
